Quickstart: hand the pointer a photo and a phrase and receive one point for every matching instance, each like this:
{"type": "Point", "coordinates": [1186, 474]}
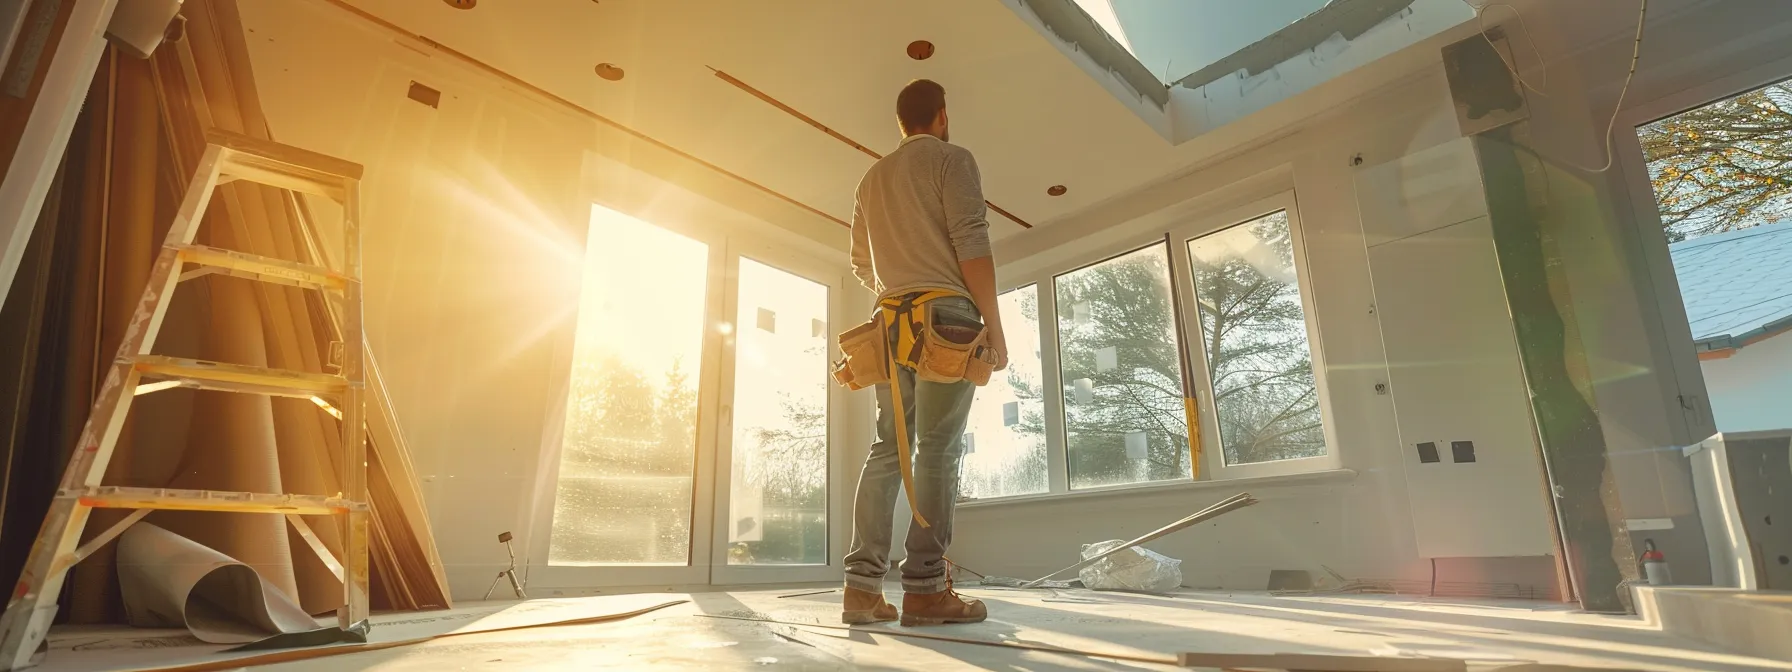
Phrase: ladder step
{"type": "Point", "coordinates": [219, 376]}
{"type": "Point", "coordinates": [115, 497]}
{"type": "Point", "coordinates": [264, 269]}
{"type": "Point", "coordinates": [283, 166]}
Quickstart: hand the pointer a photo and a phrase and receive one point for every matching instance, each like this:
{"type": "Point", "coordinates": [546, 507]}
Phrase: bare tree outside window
{"type": "Point", "coordinates": [1724, 166]}
{"type": "Point", "coordinates": [1254, 329]}
{"type": "Point", "coordinates": [1122, 390]}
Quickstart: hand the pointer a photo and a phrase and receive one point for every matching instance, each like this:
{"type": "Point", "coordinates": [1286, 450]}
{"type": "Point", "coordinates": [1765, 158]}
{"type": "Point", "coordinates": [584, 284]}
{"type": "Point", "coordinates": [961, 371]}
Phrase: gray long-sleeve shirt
{"type": "Point", "coordinates": [917, 213]}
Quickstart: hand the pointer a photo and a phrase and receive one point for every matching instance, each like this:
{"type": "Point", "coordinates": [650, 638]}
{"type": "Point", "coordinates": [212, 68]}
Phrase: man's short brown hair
{"type": "Point", "coordinates": [919, 104]}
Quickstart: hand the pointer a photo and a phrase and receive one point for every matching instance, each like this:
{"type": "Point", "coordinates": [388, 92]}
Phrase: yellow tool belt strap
{"type": "Point", "coordinates": [905, 323]}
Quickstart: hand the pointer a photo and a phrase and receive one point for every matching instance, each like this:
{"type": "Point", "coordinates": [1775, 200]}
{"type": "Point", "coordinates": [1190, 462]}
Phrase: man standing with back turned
{"type": "Point", "coordinates": [919, 224]}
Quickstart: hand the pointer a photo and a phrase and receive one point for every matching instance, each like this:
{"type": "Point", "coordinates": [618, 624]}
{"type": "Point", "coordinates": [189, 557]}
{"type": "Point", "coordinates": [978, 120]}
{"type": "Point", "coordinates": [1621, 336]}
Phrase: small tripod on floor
{"type": "Point", "coordinates": [509, 572]}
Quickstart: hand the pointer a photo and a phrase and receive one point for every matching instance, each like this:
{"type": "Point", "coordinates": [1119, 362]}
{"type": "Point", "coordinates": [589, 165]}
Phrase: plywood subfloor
{"type": "Point", "coordinates": [1491, 634]}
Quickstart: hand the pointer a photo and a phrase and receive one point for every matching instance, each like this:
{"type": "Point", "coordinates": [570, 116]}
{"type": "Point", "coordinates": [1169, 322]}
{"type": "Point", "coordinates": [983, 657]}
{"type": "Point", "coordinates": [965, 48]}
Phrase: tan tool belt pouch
{"type": "Point", "coordinates": [865, 361]}
{"type": "Point", "coordinates": [947, 352]}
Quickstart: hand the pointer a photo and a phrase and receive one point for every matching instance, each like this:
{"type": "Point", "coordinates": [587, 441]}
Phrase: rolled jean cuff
{"type": "Point", "coordinates": [865, 583]}
{"type": "Point", "coordinates": [927, 586]}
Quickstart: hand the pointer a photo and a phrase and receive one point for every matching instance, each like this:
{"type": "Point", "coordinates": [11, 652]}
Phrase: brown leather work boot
{"type": "Point", "coordinates": [863, 607]}
{"type": "Point", "coordinates": [941, 608]}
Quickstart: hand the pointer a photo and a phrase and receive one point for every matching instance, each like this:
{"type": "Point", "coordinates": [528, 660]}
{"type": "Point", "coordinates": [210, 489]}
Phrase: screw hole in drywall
{"type": "Point", "coordinates": [1356, 160]}
{"type": "Point", "coordinates": [1785, 560]}
{"type": "Point", "coordinates": [1769, 520]}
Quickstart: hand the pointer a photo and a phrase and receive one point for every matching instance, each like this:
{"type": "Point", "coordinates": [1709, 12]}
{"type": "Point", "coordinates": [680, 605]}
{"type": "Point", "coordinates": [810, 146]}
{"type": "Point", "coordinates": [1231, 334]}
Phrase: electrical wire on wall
{"type": "Point", "coordinates": [1511, 66]}
{"type": "Point", "coordinates": [1636, 53]}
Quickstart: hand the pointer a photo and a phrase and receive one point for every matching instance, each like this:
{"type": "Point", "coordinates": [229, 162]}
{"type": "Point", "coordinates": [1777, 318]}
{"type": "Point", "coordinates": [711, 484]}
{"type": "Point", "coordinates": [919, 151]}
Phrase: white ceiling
{"type": "Point", "coordinates": [1032, 117]}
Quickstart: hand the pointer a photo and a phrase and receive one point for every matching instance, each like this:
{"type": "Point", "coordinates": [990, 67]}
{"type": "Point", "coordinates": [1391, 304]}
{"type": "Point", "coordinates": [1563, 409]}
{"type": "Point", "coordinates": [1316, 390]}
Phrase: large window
{"type": "Point", "coordinates": [626, 466]}
{"type": "Point", "coordinates": [1005, 439]}
{"type": "Point", "coordinates": [1106, 406]}
{"type": "Point", "coordinates": [1254, 335]}
{"type": "Point", "coordinates": [1121, 380]}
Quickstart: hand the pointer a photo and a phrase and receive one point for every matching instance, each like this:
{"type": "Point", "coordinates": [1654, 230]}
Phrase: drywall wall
{"type": "Point", "coordinates": [1749, 389]}
{"type": "Point", "coordinates": [475, 212]}
{"type": "Point", "coordinates": [1361, 527]}
{"type": "Point", "coordinates": [1359, 524]}
{"type": "Point", "coordinates": [1455, 376]}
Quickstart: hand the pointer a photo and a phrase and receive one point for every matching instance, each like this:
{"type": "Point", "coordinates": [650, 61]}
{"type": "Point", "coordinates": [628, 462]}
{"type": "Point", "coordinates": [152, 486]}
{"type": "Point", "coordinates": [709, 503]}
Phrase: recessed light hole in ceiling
{"type": "Point", "coordinates": [609, 71]}
{"type": "Point", "coordinates": [920, 50]}
{"type": "Point", "coordinates": [461, 4]}
{"type": "Point", "coordinates": [1056, 190]}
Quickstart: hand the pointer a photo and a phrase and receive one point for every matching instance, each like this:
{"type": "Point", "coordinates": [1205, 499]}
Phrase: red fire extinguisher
{"type": "Point", "coordinates": [1655, 565]}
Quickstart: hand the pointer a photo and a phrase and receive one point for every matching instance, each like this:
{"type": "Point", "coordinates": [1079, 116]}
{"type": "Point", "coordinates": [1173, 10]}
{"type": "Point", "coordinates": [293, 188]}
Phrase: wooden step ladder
{"type": "Point", "coordinates": [227, 157]}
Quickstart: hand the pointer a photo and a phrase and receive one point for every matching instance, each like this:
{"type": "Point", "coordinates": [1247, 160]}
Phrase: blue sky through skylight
{"type": "Point", "coordinates": [1173, 38]}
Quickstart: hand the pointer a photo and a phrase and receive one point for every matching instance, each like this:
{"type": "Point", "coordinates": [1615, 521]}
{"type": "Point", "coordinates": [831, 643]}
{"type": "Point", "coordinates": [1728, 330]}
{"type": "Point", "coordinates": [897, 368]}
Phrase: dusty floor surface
{"type": "Point", "coordinates": [690, 636]}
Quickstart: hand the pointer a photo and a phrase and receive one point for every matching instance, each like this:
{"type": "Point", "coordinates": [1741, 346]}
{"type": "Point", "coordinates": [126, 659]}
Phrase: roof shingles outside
{"type": "Point", "coordinates": [1737, 285]}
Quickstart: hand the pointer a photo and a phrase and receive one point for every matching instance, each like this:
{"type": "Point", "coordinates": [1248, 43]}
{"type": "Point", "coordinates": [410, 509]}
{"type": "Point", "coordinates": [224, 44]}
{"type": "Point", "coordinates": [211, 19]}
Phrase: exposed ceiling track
{"type": "Point", "coordinates": [575, 107]}
{"type": "Point", "coordinates": [774, 102]}
{"type": "Point", "coordinates": [1350, 18]}
{"type": "Point", "coordinates": [1068, 22]}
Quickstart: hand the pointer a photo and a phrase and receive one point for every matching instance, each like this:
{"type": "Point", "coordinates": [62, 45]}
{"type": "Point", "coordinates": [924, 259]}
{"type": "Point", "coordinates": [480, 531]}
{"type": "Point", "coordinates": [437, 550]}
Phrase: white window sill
{"type": "Point", "coordinates": [1323, 477]}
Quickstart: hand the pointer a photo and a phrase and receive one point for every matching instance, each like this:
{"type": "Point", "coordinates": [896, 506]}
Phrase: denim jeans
{"type": "Point", "coordinates": [936, 414]}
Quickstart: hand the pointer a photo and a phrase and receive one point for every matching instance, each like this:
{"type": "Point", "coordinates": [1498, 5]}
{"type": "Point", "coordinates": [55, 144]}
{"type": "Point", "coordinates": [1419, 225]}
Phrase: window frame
{"type": "Point", "coordinates": [1062, 432]}
{"type": "Point", "coordinates": [1212, 455]}
{"type": "Point", "coordinates": [1057, 458]}
{"type": "Point", "coordinates": [1045, 400]}
{"type": "Point", "coordinates": [540, 571]}
{"type": "Point", "coordinates": [729, 234]}
{"type": "Point", "coordinates": [839, 488]}
{"type": "Point", "coordinates": [1695, 419]}
{"type": "Point", "coordinates": [1213, 469]}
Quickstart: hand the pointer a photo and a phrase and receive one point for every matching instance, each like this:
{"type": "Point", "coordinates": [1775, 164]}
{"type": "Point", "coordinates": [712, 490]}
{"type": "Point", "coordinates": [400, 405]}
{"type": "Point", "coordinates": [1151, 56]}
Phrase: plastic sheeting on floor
{"type": "Point", "coordinates": [170, 581]}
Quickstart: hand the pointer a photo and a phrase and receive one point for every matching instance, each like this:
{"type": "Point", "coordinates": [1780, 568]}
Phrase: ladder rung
{"type": "Point", "coordinates": [115, 497]}
{"type": "Point", "coordinates": [223, 377]}
{"type": "Point", "coordinates": [283, 166]}
{"type": "Point", "coordinates": [264, 269]}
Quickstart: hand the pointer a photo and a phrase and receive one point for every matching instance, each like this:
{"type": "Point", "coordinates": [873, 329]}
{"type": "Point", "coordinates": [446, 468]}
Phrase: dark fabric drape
{"type": "Point", "coordinates": [128, 163]}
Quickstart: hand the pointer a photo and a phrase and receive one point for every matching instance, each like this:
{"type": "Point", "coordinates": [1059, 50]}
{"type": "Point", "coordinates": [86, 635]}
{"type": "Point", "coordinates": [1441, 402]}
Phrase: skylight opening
{"type": "Point", "coordinates": [1216, 56]}
{"type": "Point", "coordinates": [1175, 38]}
{"type": "Point", "coordinates": [1103, 13]}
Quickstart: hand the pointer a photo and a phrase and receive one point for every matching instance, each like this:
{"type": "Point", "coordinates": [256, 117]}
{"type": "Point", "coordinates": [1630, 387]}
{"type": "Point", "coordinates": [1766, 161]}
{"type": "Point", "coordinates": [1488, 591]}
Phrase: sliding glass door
{"type": "Point", "coordinates": [775, 520]}
{"type": "Point", "coordinates": [697, 415]}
